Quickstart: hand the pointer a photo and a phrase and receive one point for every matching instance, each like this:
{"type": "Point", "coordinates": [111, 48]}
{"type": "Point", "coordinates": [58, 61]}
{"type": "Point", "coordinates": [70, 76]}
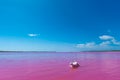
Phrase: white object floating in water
{"type": "Point", "coordinates": [74, 64]}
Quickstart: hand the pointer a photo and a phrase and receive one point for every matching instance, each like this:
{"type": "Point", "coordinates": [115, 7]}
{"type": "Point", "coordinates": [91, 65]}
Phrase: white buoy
{"type": "Point", "coordinates": [74, 64]}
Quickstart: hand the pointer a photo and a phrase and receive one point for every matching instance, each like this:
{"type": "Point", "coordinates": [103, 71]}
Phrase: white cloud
{"type": "Point", "coordinates": [105, 43]}
{"type": "Point", "coordinates": [94, 46]}
{"type": "Point", "coordinates": [110, 42]}
{"type": "Point", "coordinates": [109, 39]}
{"type": "Point", "coordinates": [33, 35]}
{"type": "Point", "coordinates": [115, 42]}
{"type": "Point", "coordinates": [87, 45]}
{"type": "Point", "coordinates": [106, 37]}
{"type": "Point", "coordinates": [90, 45]}
{"type": "Point", "coordinates": [80, 45]}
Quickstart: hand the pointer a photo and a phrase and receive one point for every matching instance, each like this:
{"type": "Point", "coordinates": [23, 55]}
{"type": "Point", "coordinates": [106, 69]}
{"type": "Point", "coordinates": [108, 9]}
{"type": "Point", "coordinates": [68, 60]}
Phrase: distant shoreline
{"type": "Point", "coordinates": [27, 51]}
{"type": "Point", "coordinates": [66, 51]}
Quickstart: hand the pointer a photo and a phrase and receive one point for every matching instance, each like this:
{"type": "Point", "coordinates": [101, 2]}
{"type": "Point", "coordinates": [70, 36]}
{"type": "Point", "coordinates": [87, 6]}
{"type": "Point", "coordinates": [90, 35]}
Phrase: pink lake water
{"type": "Point", "coordinates": [55, 66]}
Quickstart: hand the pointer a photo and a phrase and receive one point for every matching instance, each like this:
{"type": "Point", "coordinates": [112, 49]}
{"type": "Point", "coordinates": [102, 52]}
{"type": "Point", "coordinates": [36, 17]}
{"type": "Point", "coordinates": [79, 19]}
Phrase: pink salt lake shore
{"type": "Point", "coordinates": [55, 66]}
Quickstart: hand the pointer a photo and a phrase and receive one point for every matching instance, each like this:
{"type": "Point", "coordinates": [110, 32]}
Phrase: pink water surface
{"type": "Point", "coordinates": [55, 66]}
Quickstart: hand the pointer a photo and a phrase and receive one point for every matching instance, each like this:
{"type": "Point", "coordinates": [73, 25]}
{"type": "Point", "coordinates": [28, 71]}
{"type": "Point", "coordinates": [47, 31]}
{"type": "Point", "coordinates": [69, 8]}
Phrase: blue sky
{"type": "Point", "coordinates": [59, 25]}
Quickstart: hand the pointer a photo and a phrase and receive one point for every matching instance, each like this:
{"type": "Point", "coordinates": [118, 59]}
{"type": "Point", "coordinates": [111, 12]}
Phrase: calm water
{"type": "Point", "coordinates": [55, 66]}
